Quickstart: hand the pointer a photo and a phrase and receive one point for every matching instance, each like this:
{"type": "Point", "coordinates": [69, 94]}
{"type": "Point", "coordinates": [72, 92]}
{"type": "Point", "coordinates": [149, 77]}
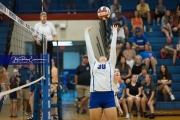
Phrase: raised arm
{"type": "Point", "coordinates": [90, 51]}
{"type": "Point", "coordinates": [112, 58]}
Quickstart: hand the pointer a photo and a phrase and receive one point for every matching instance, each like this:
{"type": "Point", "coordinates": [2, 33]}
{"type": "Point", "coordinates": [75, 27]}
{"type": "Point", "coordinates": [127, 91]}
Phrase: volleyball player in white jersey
{"type": "Point", "coordinates": [102, 73]}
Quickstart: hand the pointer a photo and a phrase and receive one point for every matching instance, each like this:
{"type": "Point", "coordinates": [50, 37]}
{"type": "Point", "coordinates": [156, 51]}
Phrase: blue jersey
{"type": "Point", "coordinates": [121, 88]}
{"type": "Point", "coordinates": [142, 40]}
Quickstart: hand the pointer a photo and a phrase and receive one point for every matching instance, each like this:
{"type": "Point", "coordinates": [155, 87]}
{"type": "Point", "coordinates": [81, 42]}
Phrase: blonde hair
{"type": "Point", "coordinates": [1, 71]}
{"type": "Point", "coordinates": [138, 56]}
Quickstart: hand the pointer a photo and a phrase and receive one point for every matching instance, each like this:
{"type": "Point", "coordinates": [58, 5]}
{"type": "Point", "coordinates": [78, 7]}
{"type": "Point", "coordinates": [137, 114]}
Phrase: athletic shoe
{"type": "Point", "coordinates": [172, 97]}
{"type": "Point", "coordinates": [84, 111]}
{"type": "Point", "coordinates": [77, 109]}
{"type": "Point", "coordinates": [127, 116]}
{"type": "Point", "coordinates": [151, 116]}
{"type": "Point", "coordinates": [138, 114]}
{"type": "Point", "coordinates": [30, 118]}
{"type": "Point", "coordinates": [130, 114]}
{"type": "Point", "coordinates": [17, 114]}
{"type": "Point", "coordinates": [146, 115]}
{"type": "Point", "coordinates": [25, 114]}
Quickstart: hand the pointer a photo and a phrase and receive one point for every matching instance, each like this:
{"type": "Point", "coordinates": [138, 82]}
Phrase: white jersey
{"type": "Point", "coordinates": [101, 74]}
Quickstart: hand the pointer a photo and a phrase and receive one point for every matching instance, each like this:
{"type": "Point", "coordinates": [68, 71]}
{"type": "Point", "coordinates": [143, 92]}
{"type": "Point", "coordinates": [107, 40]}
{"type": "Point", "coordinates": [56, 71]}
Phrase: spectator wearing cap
{"type": "Point", "coordinates": [122, 21]}
{"type": "Point", "coordinates": [120, 40]}
{"type": "Point", "coordinates": [139, 41]}
{"type": "Point", "coordinates": [46, 28]}
{"type": "Point", "coordinates": [82, 80]}
{"type": "Point", "coordinates": [160, 11]}
{"type": "Point", "coordinates": [144, 11]}
{"type": "Point", "coordinates": [149, 58]}
{"type": "Point", "coordinates": [137, 22]}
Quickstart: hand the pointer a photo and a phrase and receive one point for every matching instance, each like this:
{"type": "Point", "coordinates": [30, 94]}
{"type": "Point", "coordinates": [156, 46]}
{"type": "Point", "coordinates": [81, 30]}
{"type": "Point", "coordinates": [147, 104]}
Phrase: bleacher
{"type": "Point", "coordinates": [157, 39]}
{"type": "Point", "coordinates": [4, 26]}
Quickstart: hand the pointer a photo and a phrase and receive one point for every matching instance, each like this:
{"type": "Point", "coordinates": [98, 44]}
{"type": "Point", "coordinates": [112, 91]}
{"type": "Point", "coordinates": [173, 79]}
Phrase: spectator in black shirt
{"type": "Point", "coordinates": [138, 65]}
{"type": "Point", "coordinates": [148, 98]}
{"type": "Point", "coordinates": [133, 92]}
{"type": "Point", "coordinates": [82, 80]}
{"type": "Point", "coordinates": [125, 70]}
{"type": "Point", "coordinates": [164, 81]}
{"type": "Point", "coordinates": [169, 51]}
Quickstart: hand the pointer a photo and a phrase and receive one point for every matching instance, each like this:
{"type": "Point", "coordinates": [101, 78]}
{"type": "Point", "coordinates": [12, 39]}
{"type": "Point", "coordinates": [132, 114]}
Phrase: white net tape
{"type": "Point", "coordinates": [20, 87]}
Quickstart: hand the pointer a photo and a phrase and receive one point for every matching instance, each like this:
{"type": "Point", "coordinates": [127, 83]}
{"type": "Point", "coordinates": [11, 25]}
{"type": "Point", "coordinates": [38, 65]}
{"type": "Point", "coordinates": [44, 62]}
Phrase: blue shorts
{"type": "Point", "coordinates": [102, 100]}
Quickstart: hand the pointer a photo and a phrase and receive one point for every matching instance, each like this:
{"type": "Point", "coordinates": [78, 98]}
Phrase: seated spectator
{"type": "Point", "coordinates": [176, 22]}
{"type": "Point", "coordinates": [121, 97]}
{"type": "Point", "coordinates": [120, 40]}
{"type": "Point", "coordinates": [69, 2]}
{"type": "Point", "coordinates": [149, 58]}
{"type": "Point", "coordinates": [164, 81]}
{"type": "Point", "coordinates": [129, 54]}
{"type": "Point", "coordinates": [139, 40]}
{"type": "Point", "coordinates": [116, 7]}
{"type": "Point", "coordinates": [133, 92]}
{"type": "Point", "coordinates": [160, 11]}
{"type": "Point", "coordinates": [178, 7]}
{"type": "Point", "coordinates": [144, 11]}
{"type": "Point", "coordinates": [166, 23]}
{"type": "Point", "coordinates": [169, 51]}
{"type": "Point", "coordinates": [178, 49]}
{"type": "Point", "coordinates": [148, 92]}
{"type": "Point", "coordinates": [1, 18]}
{"type": "Point", "coordinates": [138, 65]}
{"type": "Point", "coordinates": [125, 70]}
{"type": "Point", "coordinates": [92, 4]}
{"type": "Point", "coordinates": [137, 22]}
{"type": "Point", "coordinates": [46, 4]}
{"type": "Point", "coordinates": [122, 21]}
{"type": "Point", "coordinates": [141, 78]}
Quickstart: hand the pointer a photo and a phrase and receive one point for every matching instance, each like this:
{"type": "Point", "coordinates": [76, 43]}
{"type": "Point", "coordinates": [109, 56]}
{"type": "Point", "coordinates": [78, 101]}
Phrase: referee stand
{"type": "Point", "coordinates": [45, 106]}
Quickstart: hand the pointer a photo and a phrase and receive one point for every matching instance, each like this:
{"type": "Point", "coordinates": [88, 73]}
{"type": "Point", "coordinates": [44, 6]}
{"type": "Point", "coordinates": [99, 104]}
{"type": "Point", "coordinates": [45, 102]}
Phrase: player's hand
{"type": "Point", "coordinates": [38, 42]}
{"type": "Point", "coordinates": [114, 27]}
{"type": "Point", "coordinates": [120, 112]}
{"type": "Point", "coordinates": [89, 28]}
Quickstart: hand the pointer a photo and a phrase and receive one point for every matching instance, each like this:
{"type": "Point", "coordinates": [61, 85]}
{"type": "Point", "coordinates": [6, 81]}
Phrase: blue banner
{"type": "Point", "coordinates": [21, 59]}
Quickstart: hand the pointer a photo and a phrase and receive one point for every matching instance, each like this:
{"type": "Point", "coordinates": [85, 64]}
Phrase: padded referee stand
{"type": "Point", "coordinates": [46, 97]}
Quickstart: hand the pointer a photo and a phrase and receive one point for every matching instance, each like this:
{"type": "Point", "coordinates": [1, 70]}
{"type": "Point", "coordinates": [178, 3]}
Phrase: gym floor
{"type": "Point", "coordinates": [69, 112]}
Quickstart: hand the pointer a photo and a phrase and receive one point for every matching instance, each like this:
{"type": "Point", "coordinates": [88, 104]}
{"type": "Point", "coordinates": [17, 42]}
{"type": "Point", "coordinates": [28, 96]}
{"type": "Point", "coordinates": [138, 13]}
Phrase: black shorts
{"type": "Point", "coordinates": [117, 42]}
{"type": "Point", "coordinates": [160, 15]}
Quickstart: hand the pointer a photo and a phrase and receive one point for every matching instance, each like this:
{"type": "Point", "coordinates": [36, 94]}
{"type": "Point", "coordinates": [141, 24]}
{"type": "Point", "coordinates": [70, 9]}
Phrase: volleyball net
{"type": "Point", "coordinates": [19, 44]}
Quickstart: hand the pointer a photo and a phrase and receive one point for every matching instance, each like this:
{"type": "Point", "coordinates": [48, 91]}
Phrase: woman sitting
{"type": "Point", "coordinates": [149, 58]}
{"type": "Point", "coordinates": [138, 65]}
{"type": "Point", "coordinates": [166, 23]}
{"type": "Point", "coordinates": [148, 98]}
{"type": "Point", "coordinates": [125, 70]}
{"type": "Point", "coordinates": [164, 83]}
{"type": "Point", "coordinates": [121, 97]}
{"type": "Point", "coordinates": [129, 54]}
{"type": "Point", "coordinates": [137, 22]}
{"type": "Point", "coordinates": [133, 92]}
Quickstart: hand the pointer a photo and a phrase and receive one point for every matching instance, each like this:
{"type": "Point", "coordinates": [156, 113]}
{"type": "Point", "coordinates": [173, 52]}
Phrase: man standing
{"type": "Point", "coordinates": [46, 28]}
{"type": "Point", "coordinates": [82, 80]}
{"type": "Point", "coordinates": [24, 93]}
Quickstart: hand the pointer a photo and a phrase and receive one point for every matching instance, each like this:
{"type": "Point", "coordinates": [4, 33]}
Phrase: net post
{"type": "Point", "coordinates": [46, 100]}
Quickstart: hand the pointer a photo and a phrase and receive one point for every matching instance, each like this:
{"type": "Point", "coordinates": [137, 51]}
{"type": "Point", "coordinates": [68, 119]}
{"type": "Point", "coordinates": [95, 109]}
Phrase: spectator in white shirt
{"type": "Point", "coordinates": [46, 28]}
{"type": "Point", "coordinates": [120, 39]}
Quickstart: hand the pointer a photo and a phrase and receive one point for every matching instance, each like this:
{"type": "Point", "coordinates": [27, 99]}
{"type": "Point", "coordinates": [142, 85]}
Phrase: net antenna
{"type": "Point", "coordinates": [42, 5]}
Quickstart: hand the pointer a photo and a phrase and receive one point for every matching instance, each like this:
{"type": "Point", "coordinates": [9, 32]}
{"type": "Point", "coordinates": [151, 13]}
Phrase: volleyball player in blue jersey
{"type": "Point", "coordinates": [3, 77]}
{"type": "Point", "coordinates": [101, 88]}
